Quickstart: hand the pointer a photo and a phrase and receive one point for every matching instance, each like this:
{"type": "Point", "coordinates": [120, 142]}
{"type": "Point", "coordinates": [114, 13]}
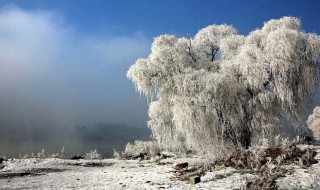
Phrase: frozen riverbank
{"type": "Point", "coordinates": [54, 173]}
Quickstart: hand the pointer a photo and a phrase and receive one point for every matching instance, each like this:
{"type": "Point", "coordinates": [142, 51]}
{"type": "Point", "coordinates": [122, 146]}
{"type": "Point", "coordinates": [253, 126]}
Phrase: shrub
{"type": "Point", "coordinates": [93, 154]}
{"type": "Point", "coordinates": [267, 161]}
{"type": "Point", "coordinates": [314, 122]}
{"type": "Point", "coordinates": [140, 149]}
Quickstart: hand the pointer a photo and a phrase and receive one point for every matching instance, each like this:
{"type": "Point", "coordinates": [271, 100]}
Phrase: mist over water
{"type": "Point", "coordinates": [74, 140]}
{"type": "Point", "coordinates": [54, 79]}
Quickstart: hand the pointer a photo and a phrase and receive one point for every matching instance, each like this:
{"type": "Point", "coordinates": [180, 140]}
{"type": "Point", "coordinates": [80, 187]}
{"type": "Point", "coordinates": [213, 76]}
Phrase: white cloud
{"type": "Point", "coordinates": [27, 42]}
{"type": "Point", "coordinates": [49, 69]}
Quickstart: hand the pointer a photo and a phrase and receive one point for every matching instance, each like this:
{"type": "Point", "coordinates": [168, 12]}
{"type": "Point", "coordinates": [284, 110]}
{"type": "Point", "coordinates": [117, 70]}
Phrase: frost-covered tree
{"type": "Point", "coordinates": [219, 89]}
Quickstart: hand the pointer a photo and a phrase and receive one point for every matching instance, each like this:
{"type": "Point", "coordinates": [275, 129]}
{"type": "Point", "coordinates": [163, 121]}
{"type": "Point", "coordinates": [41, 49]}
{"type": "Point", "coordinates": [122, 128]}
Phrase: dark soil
{"type": "Point", "coordinates": [29, 172]}
{"type": "Point", "coordinates": [91, 164]}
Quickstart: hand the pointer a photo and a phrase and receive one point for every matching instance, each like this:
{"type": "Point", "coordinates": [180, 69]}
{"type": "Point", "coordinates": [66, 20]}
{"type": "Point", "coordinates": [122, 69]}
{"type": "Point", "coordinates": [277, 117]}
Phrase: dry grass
{"type": "Point", "coordinates": [268, 163]}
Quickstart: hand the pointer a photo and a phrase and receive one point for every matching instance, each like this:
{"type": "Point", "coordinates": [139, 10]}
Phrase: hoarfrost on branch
{"type": "Point", "coordinates": [216, 91]}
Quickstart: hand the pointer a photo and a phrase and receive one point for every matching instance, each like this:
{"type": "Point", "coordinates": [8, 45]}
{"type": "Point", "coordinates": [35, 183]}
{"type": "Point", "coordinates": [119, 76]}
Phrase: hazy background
{"type": "Point", "coordinates": [63, 64]}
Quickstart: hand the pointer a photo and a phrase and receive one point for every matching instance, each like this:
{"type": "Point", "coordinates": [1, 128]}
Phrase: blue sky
{"type": "Point", "coordinates": [125, 17]}
{"type": "Point", "coordinates": [64, 61]}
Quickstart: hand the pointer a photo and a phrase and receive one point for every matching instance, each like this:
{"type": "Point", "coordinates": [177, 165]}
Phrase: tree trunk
{"type": "Point", "coordinates": [245, 139]}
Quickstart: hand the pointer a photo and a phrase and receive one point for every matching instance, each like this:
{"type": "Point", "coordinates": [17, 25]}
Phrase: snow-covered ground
{"type": "Point", "coordinates": [107, 174]}
{"type": "Point", "coordinates": [54, 173]}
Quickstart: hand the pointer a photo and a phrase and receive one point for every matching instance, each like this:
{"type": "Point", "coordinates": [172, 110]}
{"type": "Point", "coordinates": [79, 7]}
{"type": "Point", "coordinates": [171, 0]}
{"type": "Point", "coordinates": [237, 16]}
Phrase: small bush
{"type": "Point", "coordinates": [116, 154]}
{"type": "Point", "coordinates": [314, 122]}
{"type": "Point", "coordinates": [41, 154]}
{"type": "Point", "coordinates": [92, 155]}
{"type": "Point", "coordinates": [139, 149]}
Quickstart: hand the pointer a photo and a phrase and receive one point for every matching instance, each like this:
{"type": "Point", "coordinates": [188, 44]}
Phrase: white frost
{"type": "Point", "coordinates": [216, 91]}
